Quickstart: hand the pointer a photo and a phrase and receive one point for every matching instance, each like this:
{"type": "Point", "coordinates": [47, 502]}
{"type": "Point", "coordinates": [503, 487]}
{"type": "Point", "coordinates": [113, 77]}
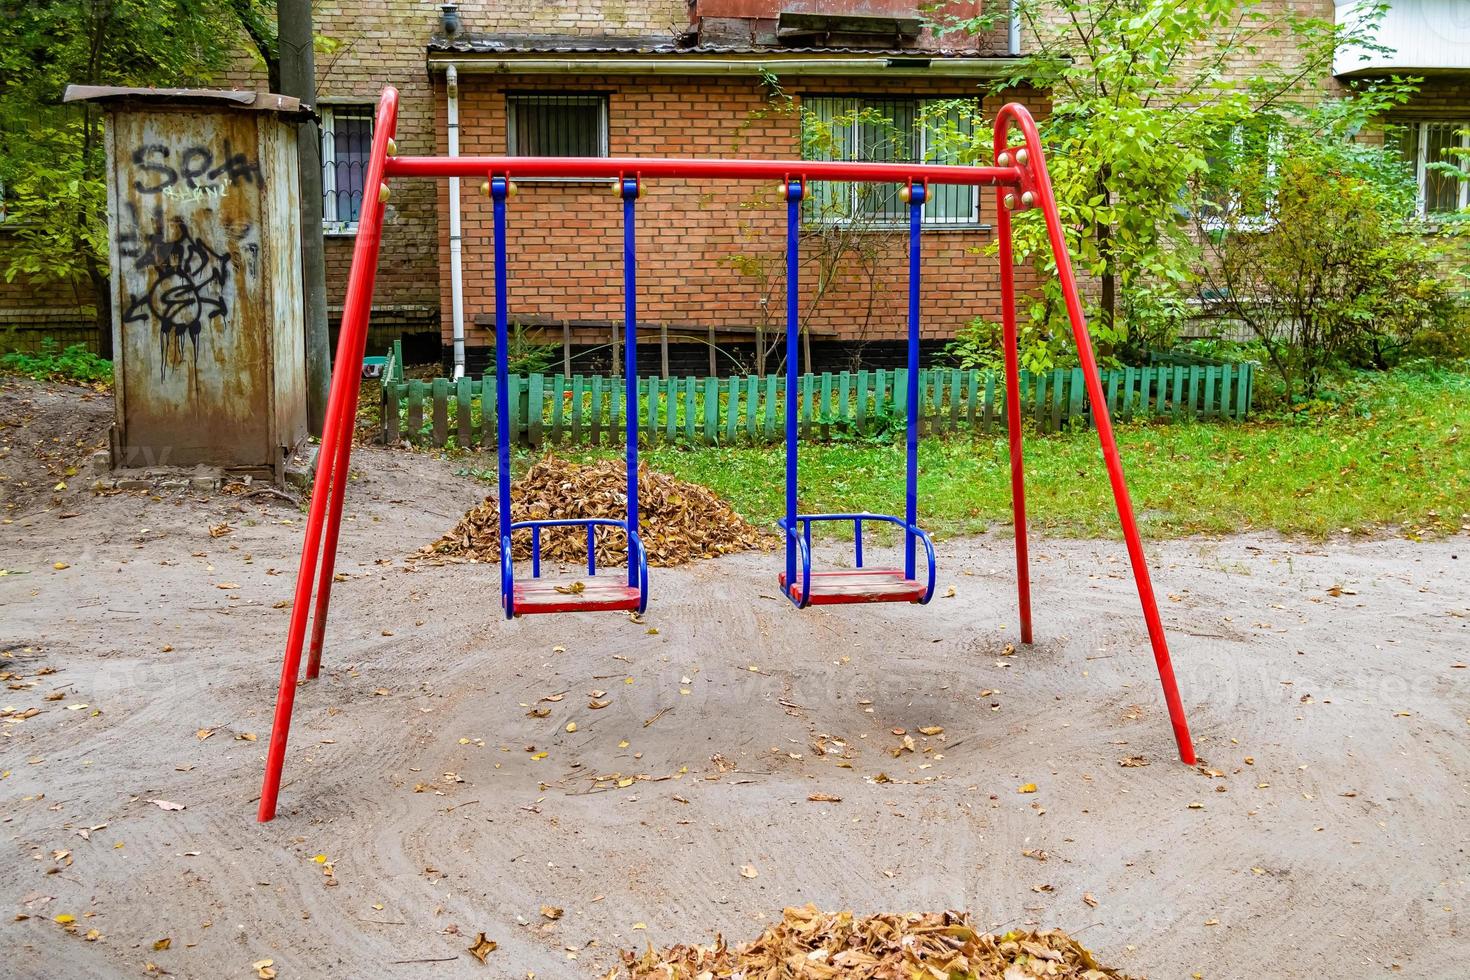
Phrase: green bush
{"type": "Point", "coordinates": [525, 356]}
{"type": "Point", "coordinates": [75, 364]}
{"type": "Point", "coordinates": [979, 345]}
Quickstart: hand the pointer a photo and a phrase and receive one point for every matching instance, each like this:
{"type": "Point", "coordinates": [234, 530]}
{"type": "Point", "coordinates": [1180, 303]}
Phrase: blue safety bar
{"type": "Point", "coordinates": [799, 536]}
{"type": "Point", "coordinates": [797, 528]}
{"type": "Point", "coordinates": [628, 189]}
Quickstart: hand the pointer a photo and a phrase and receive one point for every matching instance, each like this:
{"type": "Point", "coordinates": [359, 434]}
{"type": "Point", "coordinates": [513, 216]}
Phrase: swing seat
{"type": "Point", "coordinates": [858, 584]}
{"type": "Point", "coordinates": [590, 593]}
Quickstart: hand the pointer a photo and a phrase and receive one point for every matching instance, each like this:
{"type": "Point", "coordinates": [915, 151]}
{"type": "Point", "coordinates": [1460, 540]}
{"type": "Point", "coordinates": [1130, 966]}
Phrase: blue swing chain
{"type": "Point", "coordinates": [629, 191]}
{"type": "Point", "coordinates": [794, 190]}
{"type": "Point", "coordinates": [911, 477]}
{"type": "Point", "coordinates": [499, 188]}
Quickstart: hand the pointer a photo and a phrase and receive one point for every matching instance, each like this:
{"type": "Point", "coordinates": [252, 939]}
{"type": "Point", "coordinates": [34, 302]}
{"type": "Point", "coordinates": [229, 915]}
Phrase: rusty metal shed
{"type": "Point", "coordinates": [207, 315]}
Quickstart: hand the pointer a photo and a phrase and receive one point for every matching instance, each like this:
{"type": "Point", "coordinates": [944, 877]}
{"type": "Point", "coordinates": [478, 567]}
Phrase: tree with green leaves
{"type": "Point", "coordinates": [1316, 247]}
{"type": "Point", "coordinates": [1143, 94]}
{"type": "Point", "coordinates": [52, 161]}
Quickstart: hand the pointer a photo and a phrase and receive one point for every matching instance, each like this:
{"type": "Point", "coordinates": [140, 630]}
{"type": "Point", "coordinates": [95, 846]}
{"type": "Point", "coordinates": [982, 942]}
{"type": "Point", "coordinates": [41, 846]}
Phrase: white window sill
{"type": "Point", "coordinates": [334, 230]}
{"type": "Point", "coordinates": [1257, 223]}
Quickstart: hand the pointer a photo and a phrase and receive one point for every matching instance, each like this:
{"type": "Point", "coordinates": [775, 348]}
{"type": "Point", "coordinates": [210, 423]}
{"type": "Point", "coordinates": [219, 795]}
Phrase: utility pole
{"type": "Point", "coordinates": [298, 78]}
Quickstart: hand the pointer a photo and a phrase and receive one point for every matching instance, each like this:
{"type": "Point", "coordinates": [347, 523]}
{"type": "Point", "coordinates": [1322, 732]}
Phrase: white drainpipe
{"type": "Point", "coordinates": [456, 268]}
{"type": "Point", "coordinates": [1015, 48]}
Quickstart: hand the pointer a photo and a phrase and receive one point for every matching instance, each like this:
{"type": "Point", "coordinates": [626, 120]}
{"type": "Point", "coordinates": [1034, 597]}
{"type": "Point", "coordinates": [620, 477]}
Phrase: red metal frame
{"type": "Point", "coordinates": [1022, 183]}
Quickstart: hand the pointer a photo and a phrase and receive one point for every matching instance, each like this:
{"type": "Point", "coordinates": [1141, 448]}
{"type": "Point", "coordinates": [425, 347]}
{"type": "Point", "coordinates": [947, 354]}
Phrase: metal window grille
{"type": "Point", "coordinates": [1427, 143]}
{"type": "Point", "coordinates": [886, 130]}
{"type": "Point", "coordinates": [556, 125]}
{"type": "Point", "coordinates": [347, 138]}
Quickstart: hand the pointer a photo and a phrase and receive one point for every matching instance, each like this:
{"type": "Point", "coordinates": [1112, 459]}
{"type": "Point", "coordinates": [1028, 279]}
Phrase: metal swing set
{"type": "Point", "coordinates": [1020, 178]}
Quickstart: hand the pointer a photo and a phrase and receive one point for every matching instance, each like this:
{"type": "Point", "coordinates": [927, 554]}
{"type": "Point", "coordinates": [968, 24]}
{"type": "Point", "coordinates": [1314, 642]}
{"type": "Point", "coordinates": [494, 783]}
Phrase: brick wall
{"type": "Point", "coordinates": [565, 243]}
{"type": "Point", "coordinates": [31, 310]}
{"type": "Point", "coordinates": [1256, 45]}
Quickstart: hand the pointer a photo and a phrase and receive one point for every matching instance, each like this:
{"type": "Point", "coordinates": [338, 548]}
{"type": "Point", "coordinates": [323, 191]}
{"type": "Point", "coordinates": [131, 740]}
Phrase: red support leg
{"type": "Point", "coordinates": [1037, 187]}
{"type": "Point", "coordinates": [1013, 407]}
{"type": "Point", "coordinates": [339, 469]}
{"type": "Point", "coordinates": [335, 445]}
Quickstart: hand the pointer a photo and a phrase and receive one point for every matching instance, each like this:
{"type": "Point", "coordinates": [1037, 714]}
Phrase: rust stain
{"type": "Point", "coordinates": [193, 291]}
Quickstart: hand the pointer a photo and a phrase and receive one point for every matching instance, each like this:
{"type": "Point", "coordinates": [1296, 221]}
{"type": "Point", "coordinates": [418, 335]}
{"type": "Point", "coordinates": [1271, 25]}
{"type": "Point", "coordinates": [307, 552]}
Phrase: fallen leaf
{"type": "Point", "coordinates": [552, 912]}
{"type": "Point", "coordinates": [1028, 788]}
{"type": "Point", "coordinates": [166, 805]}
{"type": "Point", "coordinates": [931, 730]}
{"type": "Point", "coordinates": [571, 727]}
{"type": "Point", "coordinates": [161, 944]}
{"type": "Point", "coordinates": [203, 733]}
{"type": "Point", "coordinates": [824, 798]}
{"type": "Point", "coordinates": [244, 736]}
{"type": "Point", "coordinates": [1089, 899]}
{"type": "Point", "coordinates": [748, 871]}
{"type": "Point", "coordinates": [483, 947]}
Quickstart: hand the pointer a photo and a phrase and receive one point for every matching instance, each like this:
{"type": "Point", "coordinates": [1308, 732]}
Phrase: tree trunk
{"type": "Point", "coordinates": [102, 291]}
{"type": "Point", "coordinates": [1108, 300]}
{"type": "Point", "coordinates": [297, 76]}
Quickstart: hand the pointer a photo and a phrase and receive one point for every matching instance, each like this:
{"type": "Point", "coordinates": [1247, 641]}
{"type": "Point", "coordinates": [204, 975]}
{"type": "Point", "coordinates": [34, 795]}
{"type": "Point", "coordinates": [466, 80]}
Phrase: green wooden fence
{"type": "Point", "coordinates": [588, 410]}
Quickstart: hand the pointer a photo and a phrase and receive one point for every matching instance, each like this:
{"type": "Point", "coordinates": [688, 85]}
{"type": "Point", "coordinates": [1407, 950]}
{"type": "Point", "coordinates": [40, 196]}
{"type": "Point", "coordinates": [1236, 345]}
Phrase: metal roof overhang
{"type": "Point", "coordinates": [755, 63]}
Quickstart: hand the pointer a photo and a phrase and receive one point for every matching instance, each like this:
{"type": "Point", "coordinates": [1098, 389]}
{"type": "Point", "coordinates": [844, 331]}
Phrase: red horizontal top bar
{"type": "Point", "coordinates": [653, 167]}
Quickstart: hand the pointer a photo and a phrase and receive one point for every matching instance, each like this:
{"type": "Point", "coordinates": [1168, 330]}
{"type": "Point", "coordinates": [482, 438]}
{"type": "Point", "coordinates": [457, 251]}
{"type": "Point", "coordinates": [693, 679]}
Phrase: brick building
{"type": "Point", "coordinates": [691, 78]}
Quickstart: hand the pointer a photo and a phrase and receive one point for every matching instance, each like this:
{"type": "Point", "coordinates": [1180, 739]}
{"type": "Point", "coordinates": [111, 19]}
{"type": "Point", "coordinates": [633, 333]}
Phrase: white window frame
{"type": "Point", "coordinates": [512, 99]}
{"type": "Point", "coordinates": [1275, 147]}
{"type": "Point", "coordinates": [333, 224]}
{"type": "Point", "coordinates": [1421, 163]}
{"type": "Point", "coordinates": [920, 105]}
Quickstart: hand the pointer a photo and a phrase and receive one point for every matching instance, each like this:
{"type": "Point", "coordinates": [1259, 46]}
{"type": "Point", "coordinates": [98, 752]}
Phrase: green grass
{"type": "Point", "coordinates": [75, 364]}
{"type": "Point", "coordinates": [1388, 451]}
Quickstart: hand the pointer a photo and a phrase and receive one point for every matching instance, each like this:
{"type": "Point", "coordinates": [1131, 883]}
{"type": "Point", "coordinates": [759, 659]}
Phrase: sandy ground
{"type": "Point", "coordinates": [1325, 834]}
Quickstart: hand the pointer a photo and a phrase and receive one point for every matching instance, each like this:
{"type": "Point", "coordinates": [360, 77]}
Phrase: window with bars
{"type": "Point", "coordinates": [1424, 144]}
{"type": "Point", "coordinates": [556, 125]}
{"type": "Point", "coordinates": [347, 137]}
{"type": "Point", "coordinates": [883, 130]}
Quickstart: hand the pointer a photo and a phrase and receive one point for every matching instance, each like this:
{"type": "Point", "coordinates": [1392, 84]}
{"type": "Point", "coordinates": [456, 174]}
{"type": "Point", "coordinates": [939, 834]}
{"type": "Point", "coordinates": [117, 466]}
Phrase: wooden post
{"type": "Point", "coordinates": [663, 348]}
{"type": "Point", "coordinates": [713, 367]}
{"type": "Point", "coordinates": [617, 370]}
{"type": "Point", "coordinates": [566, 347]}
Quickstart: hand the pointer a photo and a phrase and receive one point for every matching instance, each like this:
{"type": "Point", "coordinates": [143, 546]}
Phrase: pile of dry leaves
{"type": "Point", "coordinates": [811, 945]}
{"type": "Point", "coordinates": [678, 521]}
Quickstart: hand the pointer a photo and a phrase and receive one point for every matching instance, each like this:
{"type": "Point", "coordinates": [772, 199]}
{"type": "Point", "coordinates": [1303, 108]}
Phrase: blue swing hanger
{"type": "Point", "coordinates": [860, 583]}
{"type": "Point", "coordinates": [594, 592]}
